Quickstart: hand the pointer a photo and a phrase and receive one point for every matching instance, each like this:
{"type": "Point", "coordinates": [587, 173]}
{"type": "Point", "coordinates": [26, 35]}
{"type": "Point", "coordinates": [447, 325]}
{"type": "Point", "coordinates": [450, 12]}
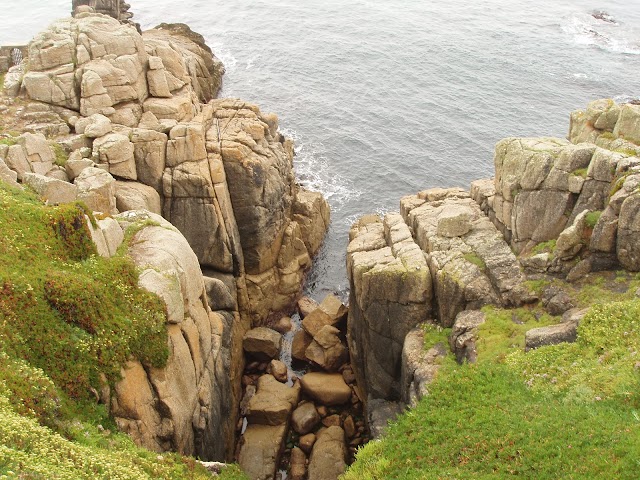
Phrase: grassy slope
{"type": "Point", "coordinates": [565, 411]}
{"type": "Point", "coordinates": [67, 318]}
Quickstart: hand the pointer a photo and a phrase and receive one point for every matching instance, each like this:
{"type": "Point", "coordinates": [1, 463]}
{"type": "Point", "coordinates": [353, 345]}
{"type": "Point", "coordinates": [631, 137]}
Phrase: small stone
{"type": "Point", "coordinates": [278, 370]}
{"type": "Point", "coordinates": [306, 442]}
{"type": "Point", "coordinates": [322, 411]}
{"type": "Point", "coordinates": [348, 375]}
{"type": "Point", "coordinates": [305, 418]}
{"type": "Point", "coordinates": [283, 325]}
{"type": "Point", "coordinates": [331, 421]}
{"type": "Point", "coordinates": [349, 427]}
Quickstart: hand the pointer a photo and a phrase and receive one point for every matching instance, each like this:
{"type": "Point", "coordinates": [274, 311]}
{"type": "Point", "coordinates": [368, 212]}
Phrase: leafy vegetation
{"type": "Point", "coordinates": [542, 247]}
{"type": "Point", "coordinates": [580, 172]}
{"type": "Point", "coordinates": [591, 219]}
{"type": "Point", "coordinates": [476, 260]}
{"type": "Point", "coordinates": [69, 320]}
{"type": "Point", "coordinates": [562, 411]}
{"type": "Point", "coordinates": [61, 155]}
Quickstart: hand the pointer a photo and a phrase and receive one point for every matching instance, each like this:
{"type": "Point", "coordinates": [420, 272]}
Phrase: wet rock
{"type": "Point", "coordinates": [328, 456]}
{"type": "Point", "coordinates": [326, 388]}
{"type": "Point", "coordinates": [305, 418]}
{"type": "Point", "coordinates": [262, 342]}
{"type": "Point", "coordinates": [278, 370]}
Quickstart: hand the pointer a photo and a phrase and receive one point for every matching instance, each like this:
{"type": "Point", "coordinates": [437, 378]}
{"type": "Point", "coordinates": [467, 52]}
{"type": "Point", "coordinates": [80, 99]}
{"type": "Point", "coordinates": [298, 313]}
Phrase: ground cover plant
{"type": "Point", "coordinates": [69, 319]}
{"type": "Point", "coordinates": [563, 411]}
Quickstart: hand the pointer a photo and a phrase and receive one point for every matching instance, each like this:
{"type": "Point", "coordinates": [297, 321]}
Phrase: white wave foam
{"type": "Point", "coordinates": [225, 56]}
{"type": "Point", "coordinates": [314, 172]}
{"type": "Point", "coordinates": [586, 29]}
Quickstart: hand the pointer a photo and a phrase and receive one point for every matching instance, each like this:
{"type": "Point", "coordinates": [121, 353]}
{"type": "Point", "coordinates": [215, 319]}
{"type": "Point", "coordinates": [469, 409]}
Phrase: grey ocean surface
{"type": "Point", "coordinates": [384, 99]}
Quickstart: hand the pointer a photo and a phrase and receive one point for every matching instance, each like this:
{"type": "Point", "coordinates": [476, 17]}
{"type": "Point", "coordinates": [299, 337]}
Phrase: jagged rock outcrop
{"type": "Point", "coordinates": [188, 405]}
{"type": "Point", "coordinates": [545, 187]}
{"type": "Point", "coordinates": [391, 292]}
{"type": "Point", "coordinates": [137, 117]}
{"type": "Point", "coordinates": [565, 207]}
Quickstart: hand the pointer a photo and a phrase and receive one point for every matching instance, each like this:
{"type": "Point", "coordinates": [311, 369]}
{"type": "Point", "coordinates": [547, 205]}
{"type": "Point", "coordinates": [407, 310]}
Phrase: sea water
{"type": "Point", "coordinates": [387, 98]}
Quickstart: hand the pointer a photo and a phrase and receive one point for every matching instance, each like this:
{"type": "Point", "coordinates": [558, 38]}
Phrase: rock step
{"type": "Point", "coordinates": [471, 263]}
{"type": "Point", "coordinates": [390, 294]}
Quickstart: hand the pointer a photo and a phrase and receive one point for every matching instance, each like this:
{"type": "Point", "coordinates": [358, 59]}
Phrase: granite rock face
{"type": "Point", "coordinates": [137, 116]}
{"type": "Point", "coordinates": [188, 405]}
{"type": "Point", "coordinates": [391, 292]}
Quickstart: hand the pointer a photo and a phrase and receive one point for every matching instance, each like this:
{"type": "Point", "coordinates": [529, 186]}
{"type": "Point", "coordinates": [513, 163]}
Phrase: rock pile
{"type": "Point", "coordinates": [309, 426]}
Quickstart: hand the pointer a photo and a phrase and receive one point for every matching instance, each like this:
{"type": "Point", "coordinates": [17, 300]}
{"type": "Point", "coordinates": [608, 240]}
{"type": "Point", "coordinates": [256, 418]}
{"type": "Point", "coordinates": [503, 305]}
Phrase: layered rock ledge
{"type": "Point", "coordinates": [559, 207]}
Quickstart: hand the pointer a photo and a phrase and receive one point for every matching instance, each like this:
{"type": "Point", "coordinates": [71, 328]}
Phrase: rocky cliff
{"type": "Point", "coordinates": [562, 207]}
{"type": "Point", "coordinates": [125, 122]}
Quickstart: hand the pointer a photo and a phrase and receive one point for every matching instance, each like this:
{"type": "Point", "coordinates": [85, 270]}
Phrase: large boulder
{"type": "Point", "coordinates": [50, 189]}
{"type": "Point", "coordinates": [191, 404]}
{"type": "Point", "coordinates": [326, 388]}
{"type": "Point", "coordinates": [327, 460]}
{"type": "Point", "coordinates": [262, 342]}
{"type": "Point", "coordinates": [273, 402]}
{"type": "Point", "coordinates": [260, 451]}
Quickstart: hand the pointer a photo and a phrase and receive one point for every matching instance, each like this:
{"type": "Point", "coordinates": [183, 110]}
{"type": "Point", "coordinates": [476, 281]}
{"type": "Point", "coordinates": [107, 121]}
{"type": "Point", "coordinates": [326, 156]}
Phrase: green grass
{"type": "Point", "coordinates": [580, 172]}
{"type": "Point", "coordinates": [476, 260]}
{"type": "Point", "coordinates": [61, 155]}
{"type": "Point", "coordinates": [64, 309]}
{"type": "Point", "coordinates": [543, 247]}
{"type": "Point", "coordinates": [29, 450]}
{"type": "Point", "coordinates": [591, 219]}
{"type": "Point", "coordinates": [8, 141]}
{"type": "Point", "coordinates": [565, 411]}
